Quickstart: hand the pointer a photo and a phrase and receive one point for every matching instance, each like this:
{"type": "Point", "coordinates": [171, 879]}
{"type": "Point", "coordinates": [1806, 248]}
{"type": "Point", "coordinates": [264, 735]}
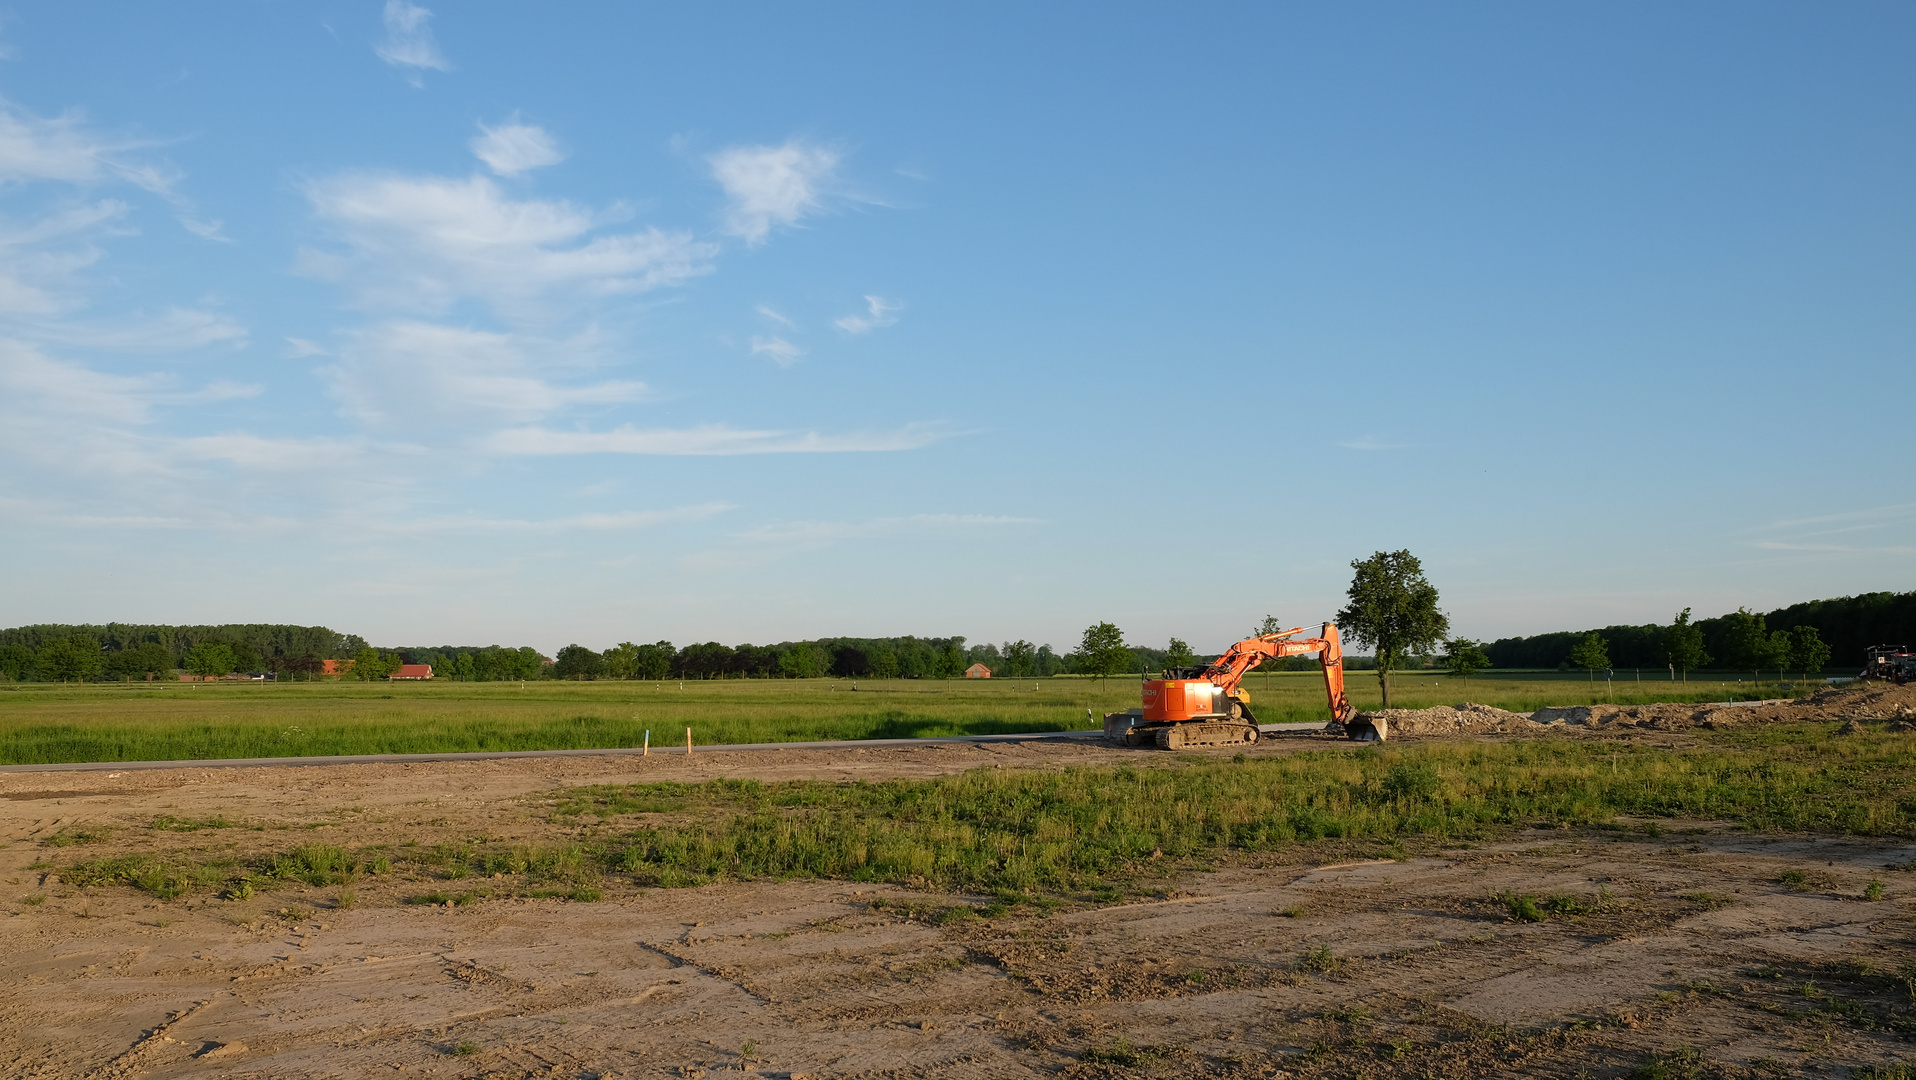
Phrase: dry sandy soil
{"type": "Point", "coordinates": [1332, 966]}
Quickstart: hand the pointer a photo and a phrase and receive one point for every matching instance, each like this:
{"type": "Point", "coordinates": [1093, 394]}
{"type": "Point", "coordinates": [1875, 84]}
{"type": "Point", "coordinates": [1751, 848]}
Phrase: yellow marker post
{"type": "Point", "coordinates": [688, 742]}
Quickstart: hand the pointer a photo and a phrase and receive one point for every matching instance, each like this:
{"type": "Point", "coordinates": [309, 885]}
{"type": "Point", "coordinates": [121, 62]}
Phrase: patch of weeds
{"type": "Point", "coordinates": [169, 823]}
{"type": "Point", "coordinates": [146, 873]}
{"type": "Point", "coordinates": [1319, 961]}
{"type": "Point", "coordinates": [441, 899]}
{"type": "Point", "coordinates": [1565, 904]}
{"type": "Point", "coordinates": [346, 898]}
{"type": "Point", "coordinates": [1350, 1014]}
{"type": "Point", "coordinates": [464, 1049]}
{"type": "Point", "coordinates": [34, 901]}
{"type": "Point", "coordinates": [1522, 907]}
{"type": "Point", "coordinates": [1795, 879]}
{"type": "Point", "coordinates": [1400, 1049]}
{"type": "Point", "coordinates": [314, 863]}
{"type": "Point", "coordinates": [1873, 891]}
{"type": "Point", "coordinates": [1874, 1072]}
{"type": "Point", "coordinates": [1122, 1052]}
{"type": "Point", "coordinates": [238, 889]}
{"type": "Point", "coordinates": [587, 894]}
{"type": "Point", "coordinates": [1707, 901]}
{"type": "Point", "coordinates": [71, 837]}
{"type": "Point", "coordinates": [1295, 911]}
{"type": "Point", "coordinates": [1682, 1063]}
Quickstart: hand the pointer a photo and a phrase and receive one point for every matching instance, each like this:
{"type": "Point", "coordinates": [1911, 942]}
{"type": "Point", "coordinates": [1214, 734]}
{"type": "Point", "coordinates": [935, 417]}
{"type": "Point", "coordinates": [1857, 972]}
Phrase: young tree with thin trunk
{"type": "Point", "coordinates": [1463, 656]}
{"type": "Point", "coordinates": [1809, 650]}
{"type": "Point", "coordinates": [1392, 609]}
{"type": "Point", "coordinates": [1102, 651]}
{"type": "Point", "coordinates": [1683, 644]}
{"type": "Point", "coordinates": [1592, 652]}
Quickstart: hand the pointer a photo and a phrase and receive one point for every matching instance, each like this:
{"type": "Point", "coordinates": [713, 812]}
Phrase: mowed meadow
{"type": "Point", "coordinates": [47, 723]}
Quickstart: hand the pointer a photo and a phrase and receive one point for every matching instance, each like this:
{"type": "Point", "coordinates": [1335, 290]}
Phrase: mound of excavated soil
{"type": "Point", "coordinates": [1874, 701]}
{"type": "Point", "coordinates": [1468, 718]}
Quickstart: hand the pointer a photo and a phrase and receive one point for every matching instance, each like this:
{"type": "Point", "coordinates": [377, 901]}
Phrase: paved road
{"type": "Point", "coordinates": [495, 755]}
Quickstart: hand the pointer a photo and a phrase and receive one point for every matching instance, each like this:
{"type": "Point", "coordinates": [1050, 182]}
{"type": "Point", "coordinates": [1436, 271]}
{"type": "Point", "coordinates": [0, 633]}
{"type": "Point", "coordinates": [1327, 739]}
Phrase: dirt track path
{"type": "Point", "coordinates": [1255, 968]}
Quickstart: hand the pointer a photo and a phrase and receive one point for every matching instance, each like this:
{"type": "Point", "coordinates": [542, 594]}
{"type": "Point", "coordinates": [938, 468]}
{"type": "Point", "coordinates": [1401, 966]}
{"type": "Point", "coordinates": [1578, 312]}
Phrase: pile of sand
{"type": "Point", "coordinates": [1467, 718]}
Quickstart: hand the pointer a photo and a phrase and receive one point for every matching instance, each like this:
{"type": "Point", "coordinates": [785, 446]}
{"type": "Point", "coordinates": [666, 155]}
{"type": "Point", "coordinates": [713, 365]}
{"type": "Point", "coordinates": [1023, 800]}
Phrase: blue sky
{"type": "Point", "coordinates": [552, 323]}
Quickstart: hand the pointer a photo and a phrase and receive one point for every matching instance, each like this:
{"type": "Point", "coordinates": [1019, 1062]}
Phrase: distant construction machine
{"type": "Point", "coordinates": [1207, 705]}
{"type": "Point", "coordinates": [1890, 663]}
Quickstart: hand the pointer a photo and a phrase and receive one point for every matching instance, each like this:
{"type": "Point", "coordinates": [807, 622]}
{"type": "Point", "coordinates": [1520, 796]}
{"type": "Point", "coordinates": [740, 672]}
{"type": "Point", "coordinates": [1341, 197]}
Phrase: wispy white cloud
{"type": "Point", "coordinates": [418, 375]}
{"type": "Point", "coordinates": [798, 533]}
{"type": "Point", "coordinates": [299, 348]}
{"type": "Point", "coordinates": [409, 42]}
{"type": "Point", "coordinates": [772, 185]}
{"type": "Point", "coordinates": [205, 230]}
{"type": "Point", "coordinates": [66, 148]}
{"type": "Point", "coordinates": [426, 242]}
{"type": "Point", "coordinates": [711, 440]}
{"type": "Point", "coordinates": [878, 312]}
{"type": "Point", "coordinates": [513, 148]}
{"type": "Point", "coordinates": [767, 311]}
{"type": "Point", "coordinates": [620, 521]}
{"type": "Point", "coordinates": [782, 352]}
{"type": "Point", "coordinates": [174, 330]}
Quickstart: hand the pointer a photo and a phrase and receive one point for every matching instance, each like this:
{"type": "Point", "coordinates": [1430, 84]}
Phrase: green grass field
{"type": "Point", "coordinates": [1033, 834]}
{"type": "Point", "coordinates": [44, 723]}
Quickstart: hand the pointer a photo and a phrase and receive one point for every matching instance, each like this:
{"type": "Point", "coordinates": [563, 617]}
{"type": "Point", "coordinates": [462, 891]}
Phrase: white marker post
{"type": "Point", "coordinates": [688, 742]}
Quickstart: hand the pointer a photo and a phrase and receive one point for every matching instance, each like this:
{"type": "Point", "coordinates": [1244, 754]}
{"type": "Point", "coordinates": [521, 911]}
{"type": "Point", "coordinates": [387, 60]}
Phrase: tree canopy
{"type": "Point", "coordinates": [1393, 609]}
{"type": "Point", "coordinates": [1102, 651]}
{"type": "Point", "coordinates": [1591, 654]}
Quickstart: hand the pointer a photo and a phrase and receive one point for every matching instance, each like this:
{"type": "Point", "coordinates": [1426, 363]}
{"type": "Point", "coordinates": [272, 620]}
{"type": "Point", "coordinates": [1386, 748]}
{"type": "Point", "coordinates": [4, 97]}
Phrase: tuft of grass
{"type": "Point", "coordinates": [1123, 1053]}
{"type": "Point", "coordinates": [1795, 879]}
{"type": "Point", "coordinates": [34, 901]}
{"type": "Point", "coordinates": [71, 837]}
{"type": "Point", "coordinates": [1522, 907]}
{"type": "Point", "coordinates": [1708, 901]}
{"type": "Point", "coordinates": [465, 1049]}
{"type": "Point", "coordinates": [169, 823]}
{"type": "Point", "coordinates": [1319, 961]}
{"type": "Point", "coordinates": [440, 899]}
{"type": "Point", "coordinates": [1873, 891]}
{"type": "Point", "coordinates": [1682, 1063]}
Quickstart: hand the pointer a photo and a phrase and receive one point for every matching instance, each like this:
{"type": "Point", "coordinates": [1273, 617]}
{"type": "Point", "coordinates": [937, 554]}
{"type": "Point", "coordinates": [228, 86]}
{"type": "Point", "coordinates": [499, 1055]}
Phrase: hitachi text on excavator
{"type": "Point", "coordinates": [1207, 705]}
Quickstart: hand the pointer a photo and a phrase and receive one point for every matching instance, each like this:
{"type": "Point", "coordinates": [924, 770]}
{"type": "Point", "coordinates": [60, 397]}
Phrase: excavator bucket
{"type": "Point", "coordinates": [1361, 729]}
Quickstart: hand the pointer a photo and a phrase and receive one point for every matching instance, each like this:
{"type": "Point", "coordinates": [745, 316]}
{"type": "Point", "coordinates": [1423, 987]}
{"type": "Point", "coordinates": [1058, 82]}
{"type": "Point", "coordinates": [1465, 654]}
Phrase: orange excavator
{"type": "Point", "coordinates": [1207, 705]}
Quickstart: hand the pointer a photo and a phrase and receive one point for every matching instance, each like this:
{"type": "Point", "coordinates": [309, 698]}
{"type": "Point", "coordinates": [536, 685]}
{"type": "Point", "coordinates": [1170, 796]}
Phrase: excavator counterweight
{"type": "Point", "coordinates": [1207, 705]}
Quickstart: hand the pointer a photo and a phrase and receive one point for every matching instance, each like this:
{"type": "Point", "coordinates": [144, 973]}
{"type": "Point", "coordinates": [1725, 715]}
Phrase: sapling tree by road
{"type": "Point", "coordinates": [1683, 644]}
{"type": "Point", "coordinates": [1102, 651]}
{"type": "Point", "coordinates": [1592, 653]}
{"type": "Point", "coordinates": [1808, 649]}
{"type": "Point", "coordinates": [1463, 656]}
{"type": "Point", "coordinates": [1392, 609]}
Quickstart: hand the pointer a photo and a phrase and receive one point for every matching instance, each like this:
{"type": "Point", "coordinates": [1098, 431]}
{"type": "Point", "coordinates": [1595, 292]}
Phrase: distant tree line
{"type": "Point", "coordinates": [64, 653]}
{"type": "Point", "coordinates": [844, 657]}
{"type": "Point", "coordinates": [1845, 626]}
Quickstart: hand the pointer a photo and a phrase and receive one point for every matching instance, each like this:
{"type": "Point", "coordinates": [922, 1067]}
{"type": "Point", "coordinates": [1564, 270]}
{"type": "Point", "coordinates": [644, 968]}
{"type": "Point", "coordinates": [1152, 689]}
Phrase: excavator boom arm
{"type": "Point", "coordinates": [1228, 670]}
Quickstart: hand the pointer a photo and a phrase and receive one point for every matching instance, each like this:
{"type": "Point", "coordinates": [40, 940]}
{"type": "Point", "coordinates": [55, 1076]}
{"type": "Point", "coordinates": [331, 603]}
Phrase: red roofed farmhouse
{"type": "Point", "coordinates": [977, 671]}
{"type": "Point", "coordinates": [412, 671]}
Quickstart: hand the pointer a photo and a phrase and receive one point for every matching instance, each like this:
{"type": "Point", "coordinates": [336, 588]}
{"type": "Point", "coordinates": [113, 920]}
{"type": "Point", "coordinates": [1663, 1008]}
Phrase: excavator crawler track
{"type": "Point", "coordinates": [1180, 736]}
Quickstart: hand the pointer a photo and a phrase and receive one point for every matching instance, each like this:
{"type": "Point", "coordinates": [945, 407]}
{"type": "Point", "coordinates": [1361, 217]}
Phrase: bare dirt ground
{"type": "Point", "coordinates": [1319, 964]}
